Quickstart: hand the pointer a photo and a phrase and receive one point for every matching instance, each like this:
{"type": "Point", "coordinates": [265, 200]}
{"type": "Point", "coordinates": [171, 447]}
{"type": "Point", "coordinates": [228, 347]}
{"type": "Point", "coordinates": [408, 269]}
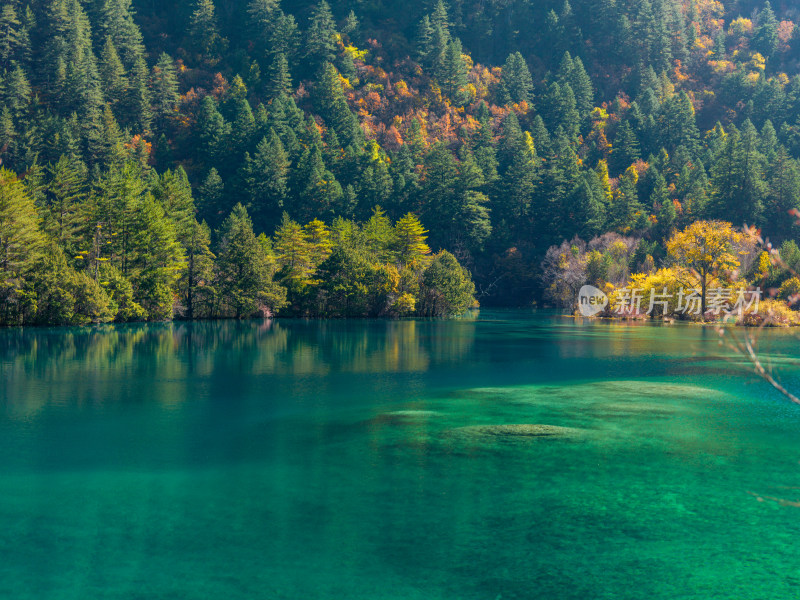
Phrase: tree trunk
{"type": "Point", "coordinates": [190, 286]}
{"type": "Point", "coordinates": [703, 275]}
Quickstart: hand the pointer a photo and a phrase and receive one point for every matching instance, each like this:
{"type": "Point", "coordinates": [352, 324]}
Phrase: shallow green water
{"type": "Point", "coordinates": [350, 460]}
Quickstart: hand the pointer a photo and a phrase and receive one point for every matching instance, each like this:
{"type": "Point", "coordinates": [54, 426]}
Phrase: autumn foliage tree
{"type": "Point", "coordinates": [707, 247]}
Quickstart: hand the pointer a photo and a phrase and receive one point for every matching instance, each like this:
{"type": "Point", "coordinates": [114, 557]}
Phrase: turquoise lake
{"type": "Point", "coordinates": [364, 460]}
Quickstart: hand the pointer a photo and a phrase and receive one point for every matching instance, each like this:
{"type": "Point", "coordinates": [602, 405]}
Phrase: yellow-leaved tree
{"type": "Point", "coordinates": [707, 247]}
{"type": "Point", "coordinates": [410, 239]}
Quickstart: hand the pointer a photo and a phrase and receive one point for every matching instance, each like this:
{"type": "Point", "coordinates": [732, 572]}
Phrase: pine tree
{"type": "Point", "coordinates": [21, 245]}
{"type": "Point", "coordinates": [118, 198]}
{"type": "Point", "coordinates": [155, 259]}
{"type": "Point", "coordinates": [554, 32]}
{"type": "Point", "coordinates": [211, 195]}
{"type": "Point", "coordinates": [315, 189]}
{"type": "Point", "coordinates": [692, 189]}
{"type": "Point", "coordinates": [115, 21]}
{"type": "Point", "coordinates": [111, 147]}
{"type": "Point", "coordinates": [516, 84]}
{"type": "Point", "coordinates": [553, 205]}
{"type": "Point", "coordinates": [405, 181]}
{"type": "Point", "coordinates": [351, 24]}
{"type": "Point", "coordinates": [626, 205]}
{"type": "Point", "coordinates": [243, 125]}
{"type": "Point", "coordinates": [690, 34]}
{"type": "Point", "coordinates": [473, 222]}
{"type": "Point", "coordinates": [440, 198]}
{"type": "Point", "coordinates": [375, 185]}
{"type": "Point", "coordinates": [737, 181]}
{"type": "Point", "coordinates": [655, 47]}
{"type": "Point", "coordinates": [319, 241]}
{"type": "Point", "coordinates": [541, 136]}
{"type": "Point", "coordinates": [518, 177]}
{"type": "Point", "coordinates": [100, 136]}
{"type": "Point", "coordinates": [245, 268]}
{"type": "Point", "coordinates": [18, 94]}
{"type": "Point", "coordinates": [560, 108]}
{"type": "Point", "coordinates": [677, 123]}
{"type": "Point", "coordinates": [782, 197]}
{"type": "Point", "coordinates": [589, 211]}
{"type": "Point", "coordinates": [569, 25]}
{"type": "Point", "coordinates": [279, 80]}
{"type": "Point", "coordinates": [213, 131]}
{"type": "Point", "coordinates": [768, 141]}
{"type": "Point", "coordinates": [174, 193]}
{"type": "Point", "coordinates": [196, 284]}
{"type": "Point", "coordinates": [285, 38]}
{"type": "Point", "coordinates": [662, 204]}
{"type": "Point", "coordinates": [321, 39]}
{"type": "Point", "coordinates": [439, 17]}
{"type": "Point", "coordinates": [452, 74]}
{"type": "Point", "coordinates": [626, 147]}
{"type": "Point", "coordinates": [8, 136]}
{"type": "Point", "coordinates": [483, 147]}
{"type": "Point", "coordinates": [379, 235]}
{"type": "Point", "coordinates": [581, 86]}
{"type": "Point", "coordinates": [293, 253]}
{"type": "Point", "coordinates": [424, 43]}
{"type": "Point", "coordinates": [440, 37]}
{"type": "Point", "coordinates": [287, 121]}
{"type": "Point", "coordinates": [566, 68]}
{"type": "Point", "coordinates": [262, 15]}
{"type": "Point", "coordinates": [265, 177]}
{"type": "Point", "coordinates": [660, 39]}
{"type": "Point", "coordinates": [411, 237]}
{"type": "Point", "coordinates": [333, 107]}
{"type": "Point", "coordinates": [54, 53]}
{"type": "Point", "coordinates": [165, 96]}
{"type": "Point", "coordinates": [765, 37]}
{"type": "Point", "coordinates": [24, 50]}
{"type": "Point", "coordinates": [11, 32]}
{"type": "Point", "coordinates": [138, 103]}
{"type": "Point", "coordinates": [112, 74]}
{"type": "Point", "coordinates": [67, 190]}
{"type": "Point", "coordinates": [204, 33]}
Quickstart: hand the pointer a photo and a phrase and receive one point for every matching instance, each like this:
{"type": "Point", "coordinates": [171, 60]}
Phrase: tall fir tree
{"type": "Point", "coordinates": [112, 74]}
{"type": "Point", "coordinates": [245, 268]}
{"type": "Point", "coordinates": [21, 247]}
{"type": "Point", "coordinates": [165, 96]}
{"type": "Point", "coordinates": [139, 108]}
{"type": "Point", "coordinates": [196, 283]}
{"type": "Point", "coordinates": [265, 179]}
{"type": "Point", "coordinates": [279, 80]}
{"type": "Point", "coordinates": [738, 187]}
{"type": "Point", "coordinates": [211, 196]}
{"type": "Point", "coordinates": [204, 33]}
{"type": "Point", "coordinates": [321, 39]}
{"type": "Point", "coordinates": [516, 83]}
{"type": "Point", "coordinates": [332, 106]}
{"type": "Point", "coordinates": [765, 36]}
{"type": "Point", "coordinates": [452, 74]}
{"type": "Point", "coordinates": [67, 191]}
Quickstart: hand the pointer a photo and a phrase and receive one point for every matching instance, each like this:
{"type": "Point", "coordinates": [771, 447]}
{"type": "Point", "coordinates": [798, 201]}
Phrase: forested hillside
{"type": "Point", "coordinates": [224, 158]}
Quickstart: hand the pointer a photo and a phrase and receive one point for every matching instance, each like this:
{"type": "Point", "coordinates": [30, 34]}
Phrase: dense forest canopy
{"type": "Point", "coordinates": [223, 158]}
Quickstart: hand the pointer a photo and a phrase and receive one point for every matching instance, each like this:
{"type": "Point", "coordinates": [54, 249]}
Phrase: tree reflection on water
{"type": "Point", "coordinates": [112, 363]}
